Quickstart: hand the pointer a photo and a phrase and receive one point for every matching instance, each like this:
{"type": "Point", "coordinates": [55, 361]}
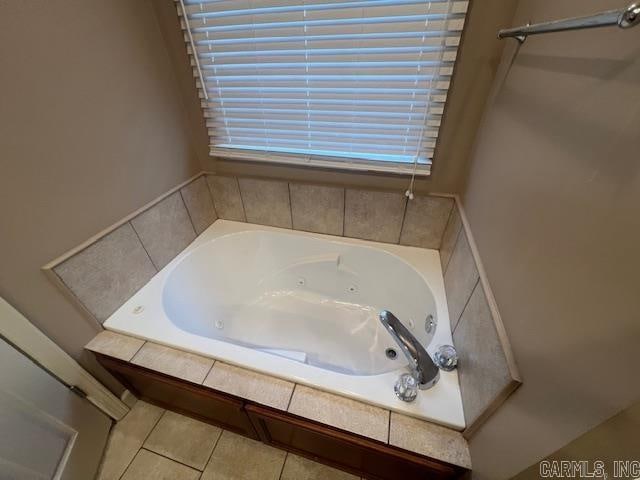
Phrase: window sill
{"type": "Point", "coordinates": [347, 165]}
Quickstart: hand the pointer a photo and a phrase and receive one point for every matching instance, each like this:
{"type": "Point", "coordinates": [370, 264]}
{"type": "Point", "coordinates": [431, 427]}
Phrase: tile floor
{"type": "Point", "coordinates": [155, 444]}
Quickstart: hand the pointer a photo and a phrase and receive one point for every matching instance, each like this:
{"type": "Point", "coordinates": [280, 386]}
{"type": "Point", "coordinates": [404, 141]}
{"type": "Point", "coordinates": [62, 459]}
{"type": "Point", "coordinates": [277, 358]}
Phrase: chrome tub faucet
{"type": "Point", "coordinates": [425, 373]}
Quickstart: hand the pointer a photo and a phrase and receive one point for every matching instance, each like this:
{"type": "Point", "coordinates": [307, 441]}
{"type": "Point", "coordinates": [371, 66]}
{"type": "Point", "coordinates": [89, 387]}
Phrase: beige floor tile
{"type": "Point", "coordinates": [126, 438]}
{"type": "Point", "coordinates": [183, 439]}
{"type": "Point", "coordinates": [298, 468]}
{"type": "Point", "coordinates": [239, 458]}
{"type": "Point", "coordinates": [149, 466]}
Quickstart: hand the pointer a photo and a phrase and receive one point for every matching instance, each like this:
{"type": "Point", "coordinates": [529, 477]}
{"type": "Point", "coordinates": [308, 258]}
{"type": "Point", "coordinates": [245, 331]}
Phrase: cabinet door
{"type": "Point", "coordinates": [347, 451]}
{"type": "Point", "coordinates": [181, 396]}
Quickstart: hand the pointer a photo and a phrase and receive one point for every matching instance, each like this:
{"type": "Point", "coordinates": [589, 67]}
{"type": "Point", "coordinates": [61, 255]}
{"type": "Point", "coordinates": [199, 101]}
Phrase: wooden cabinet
{"type": "Point", "coordinates": [181, 396]}
{"type": "Point", "coordinates": [350, 452]}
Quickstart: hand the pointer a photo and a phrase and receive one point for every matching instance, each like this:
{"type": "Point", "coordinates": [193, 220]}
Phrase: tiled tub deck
{"type": "Point", "coordinates": [399, 431]}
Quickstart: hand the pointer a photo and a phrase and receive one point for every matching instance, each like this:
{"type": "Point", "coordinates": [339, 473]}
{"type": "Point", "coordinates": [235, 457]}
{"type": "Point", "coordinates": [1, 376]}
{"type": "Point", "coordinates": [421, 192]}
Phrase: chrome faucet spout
{"type": "Point", "coordinates": [423, 369]}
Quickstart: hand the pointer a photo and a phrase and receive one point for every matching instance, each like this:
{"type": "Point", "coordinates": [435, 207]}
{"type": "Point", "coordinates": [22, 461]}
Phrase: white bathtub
{"type": "Point", "coordinates": [300, 306]}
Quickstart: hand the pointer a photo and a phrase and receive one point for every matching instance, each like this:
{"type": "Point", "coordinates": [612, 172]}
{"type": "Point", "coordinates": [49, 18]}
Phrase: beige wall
{"type": "Point", "coordinates": [479, 56]}
{"type": "Point", "coordinates": [614, 439]}
{"type": "Point", "coordinates": [553, 200]}
{"type": "Point", "coordinates": [92, 128]}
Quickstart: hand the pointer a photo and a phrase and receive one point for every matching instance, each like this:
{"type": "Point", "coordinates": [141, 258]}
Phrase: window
{"type": "Point", "coordinates": [355, 84]}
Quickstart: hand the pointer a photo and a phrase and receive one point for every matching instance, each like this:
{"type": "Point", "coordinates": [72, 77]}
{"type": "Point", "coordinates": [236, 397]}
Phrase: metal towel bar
{"type": "Point", "coordinates": [623, 18]}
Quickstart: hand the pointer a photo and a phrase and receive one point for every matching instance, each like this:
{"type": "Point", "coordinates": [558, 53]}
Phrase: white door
{"type": "Point", "coordinates": [46, 430]}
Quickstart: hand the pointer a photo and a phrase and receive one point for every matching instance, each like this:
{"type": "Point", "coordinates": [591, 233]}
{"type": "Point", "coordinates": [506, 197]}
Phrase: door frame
{"type": "Point", "coordinates": [17, 330]}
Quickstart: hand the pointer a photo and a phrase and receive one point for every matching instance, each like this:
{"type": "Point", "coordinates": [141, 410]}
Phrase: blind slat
{"type": "Point", "coordinates": [361, 84]}
{"type": "Point", "coordinates": [354, 21]}
{"type": "Point", "coordinates": [211, 10]}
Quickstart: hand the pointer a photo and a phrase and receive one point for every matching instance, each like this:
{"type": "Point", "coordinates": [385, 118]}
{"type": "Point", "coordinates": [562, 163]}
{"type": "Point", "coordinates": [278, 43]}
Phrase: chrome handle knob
{"type": "Point", "coordinates": [446, 358]}
{"type": "Point", "coordinates": [406, 387]}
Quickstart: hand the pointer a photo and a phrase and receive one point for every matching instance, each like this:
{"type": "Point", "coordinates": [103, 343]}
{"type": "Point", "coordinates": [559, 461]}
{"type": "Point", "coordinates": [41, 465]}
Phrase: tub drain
{"type": "Point", "coordinates": [391, 353]}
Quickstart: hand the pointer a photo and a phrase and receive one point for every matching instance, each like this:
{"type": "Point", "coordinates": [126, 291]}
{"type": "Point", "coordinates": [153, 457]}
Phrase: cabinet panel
{"type": "Point", "coordinates": [344, 450]}
{"type": "Point", "coordinates": [181, 396]}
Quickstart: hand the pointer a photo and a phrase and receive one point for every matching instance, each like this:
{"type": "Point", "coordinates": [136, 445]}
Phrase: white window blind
{"type": "Point", "coordinates": [357, 84]}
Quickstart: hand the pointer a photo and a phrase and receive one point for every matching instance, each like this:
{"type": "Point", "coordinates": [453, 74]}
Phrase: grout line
{"type": "Point", "coordinates": [244, 210]}
{"type": "Point", "coordinates": [137, 351]}
{"type": "Point", "coordinates": [143, 247]}
{"type": "Point", "coordinates": [152, 429]}
{"type": "Point", "coordinates": [80, 302]}
{"type": "Point", "coordinates": [172, 459]}
{"type": "Point", "coordinates": [453, 250]}
{"type": "Point", "coordinates": [290, 204]}
{"type": "Point", "coordinates": [389, 429]}
{"type": "Point", "coordinates": [215, 445]}
{"type": "Point", "coordinates": [344, 210]}
{"type": "Point", "coordinates": [213, 202]}
{"type": "Point", "coordinates": [291, 397]}
{"type": "Point", "coordinates": [286, 456]}
{"type": "Point", "coordinates": [142, 444]}
{"type": "Point", "coordinates": [453, 207]}
{"type": "Point", "coordinates": [404, 215]}
{"type": "Point", "coordinates": [475, 285]}
{"type": "Point", "coordinates": [193, 225]}
{"type": "Point", "coordinates": [124, 472]}
{"type": "Point", "coordinates": [208, 372]}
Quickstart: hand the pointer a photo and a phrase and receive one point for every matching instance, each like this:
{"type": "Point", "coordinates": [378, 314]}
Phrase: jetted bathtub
{"type": "Point", "coordinates": [301, 306]}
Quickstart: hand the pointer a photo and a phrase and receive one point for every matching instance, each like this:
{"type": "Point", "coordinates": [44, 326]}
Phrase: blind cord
{"type": "Point", "coordinates": [409, 192]}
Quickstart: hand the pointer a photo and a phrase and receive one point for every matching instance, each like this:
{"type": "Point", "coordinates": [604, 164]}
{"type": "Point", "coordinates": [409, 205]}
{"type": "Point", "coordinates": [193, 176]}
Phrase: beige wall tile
{"type": "Point", "coordinates": [251, 385]}
{"type": "Point", "coordinates": [373, 215]}
{"type": "Point", "coordinates": [450, 237]}
{"type": "Point", "coordinates": [183, 439]}
{"type": "Point", "coordinates": [266, 202]}
{"type": "Point", "coordinates": [165, 229]}
{"type": "Point", "coordinates": [199, 204]}
{"type": "Point", "coordinates": [482, 368]}
{"type": "Point", "coordinates": [317, 208]}
{"type": "Point", "coordinates": [240, 458]}
{"type": "Point", "coordinates": [115, 345]}
{"type": "Point", "coordinates": [126, 438]}
{"type": "Point", "coordinates": [226, 197]}
{"type": "Point", "coordinates": [149, 466]}
{"type": "Point", "coordinates": [460, 279]}
{"type": "Point", "coordinates": [104, 275]}
{"type": "Point", "coordinates": [425, 221]}
{"type": "Point", "coordinates": [176, 363]}
{"type": "Point", "coordinates": [340, 412]}
{"type": "Point", "coordinates": [298, 468]}
{"type": "Point", "coordinates": [429, 439]}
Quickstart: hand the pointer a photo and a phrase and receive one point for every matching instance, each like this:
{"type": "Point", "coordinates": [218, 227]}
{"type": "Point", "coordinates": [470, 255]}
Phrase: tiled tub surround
{"type": "Point", "coordinates": [282, 303]}
{"type": "Point", "coordinates": [487, 370]}
{"type": "Point", "coordinates": [103, 273]}
{"type": "Point", "coordinates": [376, 215]}
{"type": "Point", "coordinates": [380, 425]}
